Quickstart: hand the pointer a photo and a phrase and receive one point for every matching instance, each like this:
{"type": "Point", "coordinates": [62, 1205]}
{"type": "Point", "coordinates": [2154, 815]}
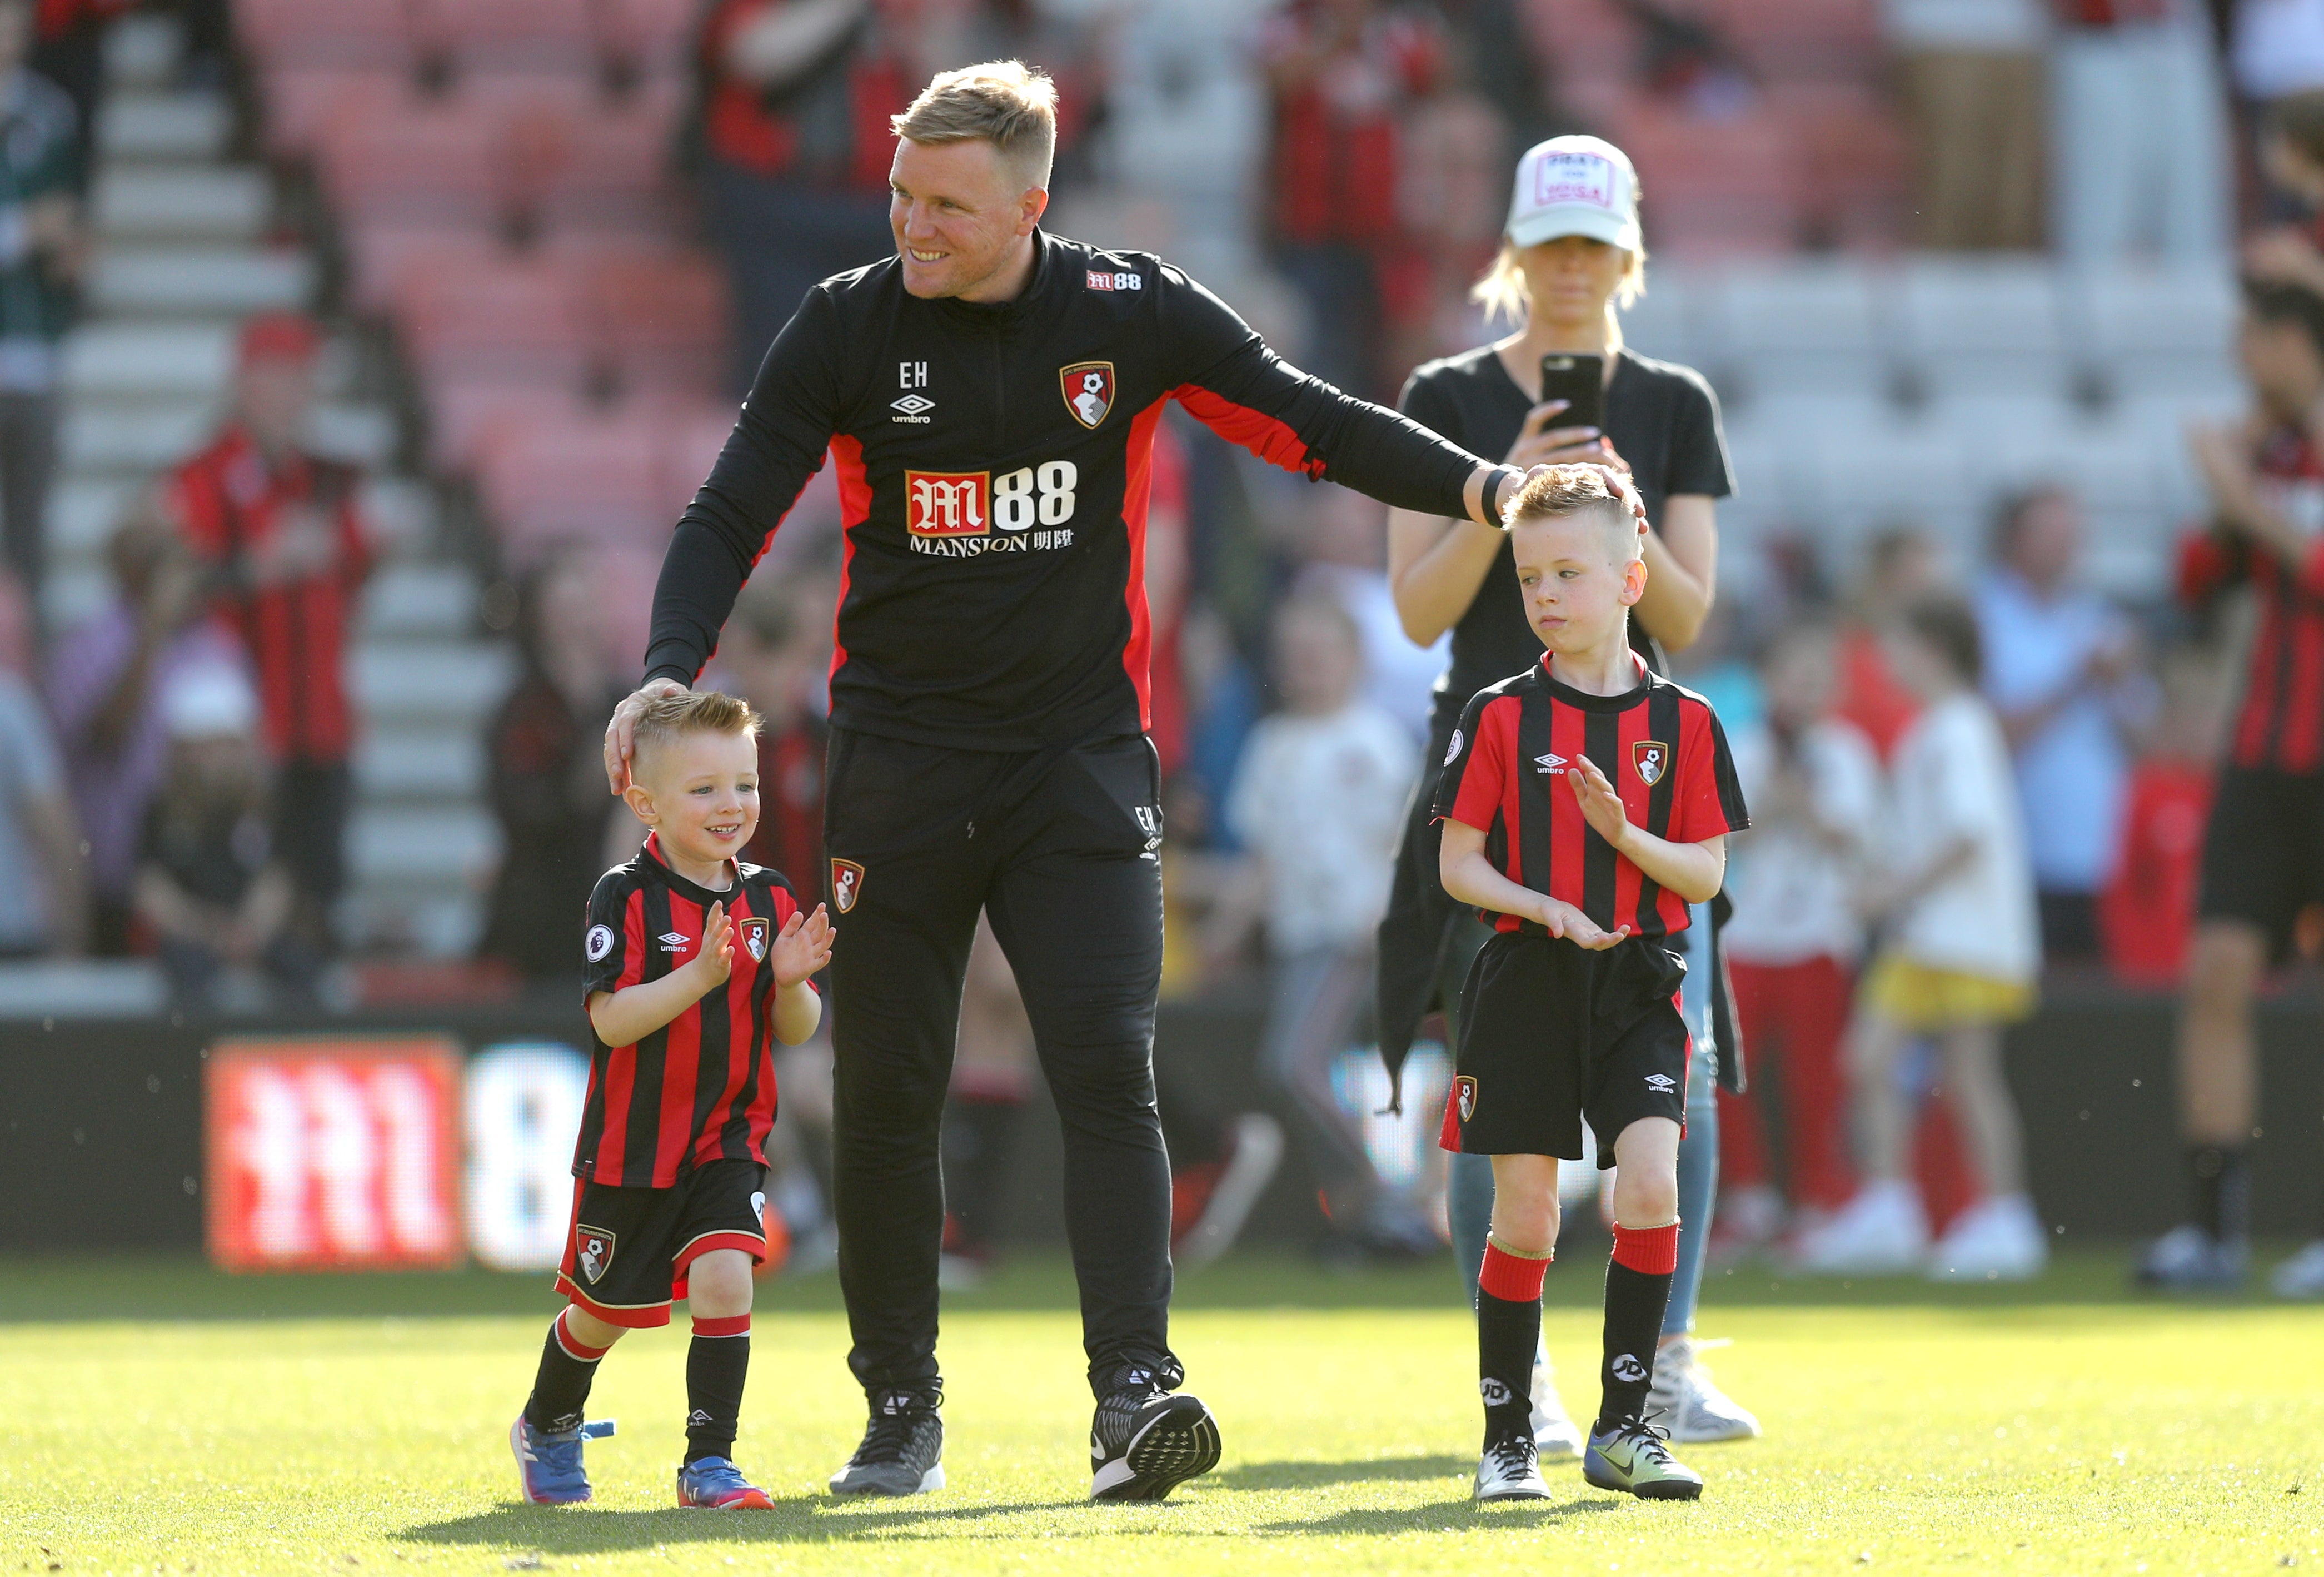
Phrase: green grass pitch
{"type": "Point", "coordinates": [161, 1419]}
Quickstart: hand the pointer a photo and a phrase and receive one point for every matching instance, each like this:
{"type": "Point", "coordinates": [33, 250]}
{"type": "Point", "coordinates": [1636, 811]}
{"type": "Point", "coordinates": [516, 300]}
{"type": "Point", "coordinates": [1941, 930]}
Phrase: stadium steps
{"type": "Point", "coordinates": [188, 243]}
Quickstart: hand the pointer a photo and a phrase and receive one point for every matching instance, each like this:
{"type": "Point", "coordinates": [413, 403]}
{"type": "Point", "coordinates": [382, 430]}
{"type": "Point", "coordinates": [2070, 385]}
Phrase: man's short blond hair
{"type": "Point", "coordinates": [668, 718]}
{"type": "Point", "coordinates": [1005, 103]}
{"type": "Point", "coordinates": [1558, 491]}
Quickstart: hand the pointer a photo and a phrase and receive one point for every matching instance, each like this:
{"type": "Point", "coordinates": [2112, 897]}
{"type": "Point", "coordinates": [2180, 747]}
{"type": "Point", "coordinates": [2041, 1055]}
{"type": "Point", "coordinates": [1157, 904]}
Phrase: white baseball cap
{"type": "Point", "coordinates": [1575, 186]}
{"type": "Point", "coordinates": [209, 700]}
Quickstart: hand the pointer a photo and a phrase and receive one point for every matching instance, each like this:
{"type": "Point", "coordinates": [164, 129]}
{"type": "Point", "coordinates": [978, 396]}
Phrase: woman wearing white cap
{"type": "Point", "coordinates": [1572, 255]}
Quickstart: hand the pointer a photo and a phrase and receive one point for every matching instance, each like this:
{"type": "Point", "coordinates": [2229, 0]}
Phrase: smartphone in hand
{"type": "Point", "coordinates": [1580, 381]}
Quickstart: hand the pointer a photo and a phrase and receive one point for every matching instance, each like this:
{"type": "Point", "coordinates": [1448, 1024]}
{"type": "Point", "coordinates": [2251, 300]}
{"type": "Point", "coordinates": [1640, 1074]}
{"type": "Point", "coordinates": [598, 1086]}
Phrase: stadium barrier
{"type": "Point", "coordinates": [414, 1141]}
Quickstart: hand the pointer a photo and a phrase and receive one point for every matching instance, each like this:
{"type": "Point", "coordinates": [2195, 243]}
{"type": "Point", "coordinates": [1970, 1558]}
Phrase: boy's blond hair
{"type": "Point", "coordinates": [1559, 491]}
{"type": "Point", "coordinates": [668, 718]}
{"type": "Point", "coordinates": [1005, 103]}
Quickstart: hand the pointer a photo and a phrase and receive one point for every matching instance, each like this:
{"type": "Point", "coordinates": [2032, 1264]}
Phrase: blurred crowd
{"type": "Point", "coordinates": [175, 771]}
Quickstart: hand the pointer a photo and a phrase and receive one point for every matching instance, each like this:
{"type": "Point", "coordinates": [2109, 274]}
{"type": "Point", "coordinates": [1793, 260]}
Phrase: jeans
{"type": "Point", "coordinates": [1469, 1203]}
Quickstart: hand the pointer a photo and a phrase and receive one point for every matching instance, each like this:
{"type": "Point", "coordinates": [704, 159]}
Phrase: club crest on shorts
{"type": "Point", "coordinates": [1465, 1097]}
{"type": "Point", "coordinates": [1088, 388]}
{"type": "Point", "coordinates": [1651, 757]}
{"type": "Point", "coordinates": [846, 884]}
{"type": "Point", "coordinates": [593, 1252]}
{"type": "Point", "coordinates": [753, 931]}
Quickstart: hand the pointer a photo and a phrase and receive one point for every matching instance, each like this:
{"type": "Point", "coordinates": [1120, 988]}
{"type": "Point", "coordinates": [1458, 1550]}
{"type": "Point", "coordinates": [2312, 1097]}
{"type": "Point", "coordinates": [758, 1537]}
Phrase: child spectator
{"type": "Point", "coordinates": [683, 941]}
{"type": "Point", "coordinates": [1959, 964]}
{"type": "Point", "coordinates": [1586, 804]}
{"type": "Point", "coordinates": [107, 677]}
{"type": "Point", "coordinates": [2148, 913]}
{"type": "Point", "coordinates": [209, 885]}
{"type": "Point", "coordinates": [1318, 802]}
{"type": "Point", "coordinates": [547, 772]}
{"type": "Point", "coordinates": [1814, 784]}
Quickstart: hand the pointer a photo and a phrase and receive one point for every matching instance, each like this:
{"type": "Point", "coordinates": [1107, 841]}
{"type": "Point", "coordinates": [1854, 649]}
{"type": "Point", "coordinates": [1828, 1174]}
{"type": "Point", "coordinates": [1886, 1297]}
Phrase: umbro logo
{"type": "Point", "coordinates": [1661, 1084]}
{"type": "Point", "coordinates": [1551, 762]}
{"type": "Point", "coordinates": [673, 941]}
{"type": "Point", "coordinates": [915, 407]}
{"type": "Point", "coordinates": [699, 1415]}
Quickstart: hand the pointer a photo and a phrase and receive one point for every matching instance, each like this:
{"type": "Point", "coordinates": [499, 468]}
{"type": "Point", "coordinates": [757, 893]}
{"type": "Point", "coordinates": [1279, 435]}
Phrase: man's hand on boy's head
{"type": "Point", "coordinates": [622, 731]}
{"type": "Point", "coordinates": [716, 962]}
{"type": "Point", "coordinates": [1563, 919]}
{"type": "Point", "coordinates": [802, 948]}
{"type": "Point", "coordinates": [1602, 807]}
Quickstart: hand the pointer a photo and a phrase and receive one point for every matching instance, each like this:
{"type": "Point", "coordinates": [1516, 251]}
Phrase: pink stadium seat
{"type": "Point", "coordinates": [1796, 40]}
{"type": "Point", "coordinates": [510, 35]}
{"type": "Point", "coordinates": [595, 477]}
{"type": "Point", "coordinates": [1582, 39]}
{"type": "Point", "coordinates": [300, 100]}
{"type": "Point", "coordinates": [1854, 155]}
{"type": "Point", "coordinates": [467, 416]}
{"type": "Point", "coordinates": [663, 321]}
{"type": "Point", "coordinates": [514, 321]}
{"type": "Point", "coordinates": [382, 257]}
{"type": "Point", "coordinates": [327, 32]}
{"type": "Point", "coordinates": [653, 36]}
{"type": "Point", "coordinates": [692, 437]}
{"type": "Point", "coordinates": [1734, 184]}
{"type": "Point", "coordinates": [616, 175]}
{"type": "Point", "coordinates": [412, 163]}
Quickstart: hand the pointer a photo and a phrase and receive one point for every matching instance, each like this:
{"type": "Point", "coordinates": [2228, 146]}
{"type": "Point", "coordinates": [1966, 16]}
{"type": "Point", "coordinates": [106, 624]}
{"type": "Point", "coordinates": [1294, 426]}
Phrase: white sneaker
{"type": "Point", "coordinates": [1685, 1402]}
{"type": "Point", "coordinates": [1994, 1239]}
{"type": "Point", "coordinates": [1509, 1471]}
{"type": "Point", "coordinates": [2302, 1275]}
{"type": "Point", "coordinates": [1254, 1149]}
{"type": "Point", "coordinates": [1882, 1231]}
{"type": "Point", "coordinates": [1555, 1436]}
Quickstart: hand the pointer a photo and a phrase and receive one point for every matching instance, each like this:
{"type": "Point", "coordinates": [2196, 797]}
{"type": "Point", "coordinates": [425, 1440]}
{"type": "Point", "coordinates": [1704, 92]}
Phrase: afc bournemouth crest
{"type": "Point", "coordinates": [1089, 391]}
{"type": "Point", "coordinates": [1651, 757]}
{"type": "Point", "coordinates": [593, 1251]}
{"type": "Point", "coordinates": [1465, 1097]}
{"type": "Point", "coordinates": [753, 931]}
{"type": "Point", "coordinates": [846, 884]}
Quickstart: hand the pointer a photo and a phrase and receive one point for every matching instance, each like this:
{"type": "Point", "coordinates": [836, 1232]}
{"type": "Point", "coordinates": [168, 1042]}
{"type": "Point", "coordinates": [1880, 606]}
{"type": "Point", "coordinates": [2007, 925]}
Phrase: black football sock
{"type": "Point", "coordinates": [716, 1364]}
{"type": "Point", "coordinates": [2220, 1179]}
{"type": "Point", "coordinates": [1638, 1292]}
{"type": "Point", "coordinates": [560, 1388]}
{"type": "Point", "coordinates": [1508, 1334]}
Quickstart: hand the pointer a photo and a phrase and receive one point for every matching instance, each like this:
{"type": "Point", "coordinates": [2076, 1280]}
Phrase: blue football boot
{"type": "Point", "coordinates": [548, 1461]}
{"type": "Point", "coordinates": [712, 1483]}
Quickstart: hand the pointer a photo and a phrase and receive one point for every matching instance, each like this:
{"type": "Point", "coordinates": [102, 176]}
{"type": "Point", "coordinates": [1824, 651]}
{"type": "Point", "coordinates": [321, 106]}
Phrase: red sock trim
{"type": "Point", "coordinates": [574, 1348]}
{"type": "Point", "coordinates": [1511, 1277]}
{"type": "Point", "coordinates": [1648, 1251]}
{"type": "Point", "coordinates": [726, 1326]}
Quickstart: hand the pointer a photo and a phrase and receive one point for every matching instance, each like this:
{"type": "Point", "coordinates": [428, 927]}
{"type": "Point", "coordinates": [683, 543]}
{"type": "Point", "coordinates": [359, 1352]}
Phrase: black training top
{"type": "Point", "coordinates": [994, 463]}
{"type": "Point", "coordinates": [1662, 418]}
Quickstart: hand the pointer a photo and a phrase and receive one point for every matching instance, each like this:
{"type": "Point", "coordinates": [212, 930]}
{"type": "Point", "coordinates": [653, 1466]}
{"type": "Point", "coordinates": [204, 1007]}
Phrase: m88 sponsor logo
{"type": "Point", "coordinates": [961, 514]}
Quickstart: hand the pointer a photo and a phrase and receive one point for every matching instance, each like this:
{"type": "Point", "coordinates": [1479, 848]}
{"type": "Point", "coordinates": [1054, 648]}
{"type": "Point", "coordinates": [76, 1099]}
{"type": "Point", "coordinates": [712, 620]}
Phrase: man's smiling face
{"type": "Point", "coordinates": [957, 210]}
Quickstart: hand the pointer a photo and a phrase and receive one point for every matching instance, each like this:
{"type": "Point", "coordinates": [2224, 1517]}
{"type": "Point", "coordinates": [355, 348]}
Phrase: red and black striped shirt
{"type": "Point", "coordinates": [1659, 744]}
{"type": "Point", "coordinates": [702, 1087]}
{"type": "Point", "coordinates": [2280, 723]}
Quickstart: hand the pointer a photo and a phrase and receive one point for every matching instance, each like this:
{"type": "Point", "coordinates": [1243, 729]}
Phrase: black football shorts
{"type": "Point", "coordinates": [626, 1257]}
{"type": "Point", "coordinates": [2264, 851]}
{"type": "Point", "coordinates": [1552, 1034]}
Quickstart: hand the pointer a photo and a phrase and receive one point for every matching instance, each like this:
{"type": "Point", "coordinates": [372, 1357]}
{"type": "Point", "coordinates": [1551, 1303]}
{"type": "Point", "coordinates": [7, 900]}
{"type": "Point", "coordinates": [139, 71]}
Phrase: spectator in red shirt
{"type": "Point", "coordinates": [2147, 912]}
{"type": "Point", "coordinates": [796, 100]}
{"type": "Point", "coordinates": [282, 536]}
{"type": "Point", "coordinates": [1342, 73]}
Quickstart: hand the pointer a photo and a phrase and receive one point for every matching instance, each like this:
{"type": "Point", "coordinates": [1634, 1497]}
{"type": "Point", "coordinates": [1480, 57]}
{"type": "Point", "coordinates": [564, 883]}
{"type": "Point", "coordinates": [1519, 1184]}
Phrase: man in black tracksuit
{"type": "Point", "coordinates": [989, 398]}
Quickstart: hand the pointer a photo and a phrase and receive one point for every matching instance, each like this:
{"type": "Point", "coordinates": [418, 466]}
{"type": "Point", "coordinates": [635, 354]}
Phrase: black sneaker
{"type": "Point", "coordinates": [1144, 1441]}
{"type": "Point", "coordinates": [902, 1451]}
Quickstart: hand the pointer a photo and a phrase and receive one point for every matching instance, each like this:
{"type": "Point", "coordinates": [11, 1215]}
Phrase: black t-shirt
{"type": "Point", "coordinates": [994, 466]}
{"type": "Point", "coordinates": [1662, 418]}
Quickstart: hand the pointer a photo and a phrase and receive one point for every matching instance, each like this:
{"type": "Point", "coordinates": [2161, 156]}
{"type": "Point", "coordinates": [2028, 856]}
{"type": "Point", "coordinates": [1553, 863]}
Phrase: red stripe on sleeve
{"type": "Point", "coordinates": [1269, 437]}
{"type": "Point", "coordinates": [1137, 492]}
{"type": "Point", "coordinates": [1485, 778]}
{"type": "Point", "coordinates": [854, 509]}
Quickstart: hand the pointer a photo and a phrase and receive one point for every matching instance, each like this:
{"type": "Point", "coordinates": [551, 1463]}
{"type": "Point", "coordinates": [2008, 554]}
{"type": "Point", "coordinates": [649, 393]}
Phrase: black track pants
{"type": "Point", "coordinates": [1059, 848]}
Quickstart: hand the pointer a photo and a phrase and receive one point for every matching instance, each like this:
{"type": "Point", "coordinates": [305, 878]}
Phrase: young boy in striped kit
{"type": "Point", "coordinates": [1586, 803]}
{"type": "Point", "coordinates": [695, 963]}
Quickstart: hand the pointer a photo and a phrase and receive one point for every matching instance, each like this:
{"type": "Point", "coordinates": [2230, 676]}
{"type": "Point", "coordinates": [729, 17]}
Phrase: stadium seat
{"type": "Point", "coordinates": [510, 35]}
{"type": "Point", "coordinates": [663, 321]}
{"type": "Point", "coordinates": [1882, 475]}
{"type": "Point", "coordinates": [1661, 323]}
{"type": "Point", "coordinates": [468, 413]}
{"type": "Point", "coordinates": [1795, 40]}
{"type": "Point", "coordinates": [376, 34]}
{"type": "Point", "coordinates": [1814, 327]}
{"type": "Point", "coordinates": [1854, 164]}
{"type": "Point", "coordinates": [617, 175]}
{"type": "Point", "coordinates": [380, 256]}
{"type": "Point", "coordinates": [2147, 329]}
{"type": "Point", "coordinates": [412, 163]}
{"type": "Point", "coordinates": [1988, 324]}
{"type": "Point", "coordinates": [556, 479]}
{"type": "Point", "coordinates": [692, 438]}
{"type": "Point", "coordinates": [512, 321]}
{"type": "Point", "coordinates": [1712, 187]}
{"type": "Point", "coordinates": [301, 99]}
{"type": "Point", "coordinates": [1584, 41]}
{"type": "Point", "coordinates": [652, 38]}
